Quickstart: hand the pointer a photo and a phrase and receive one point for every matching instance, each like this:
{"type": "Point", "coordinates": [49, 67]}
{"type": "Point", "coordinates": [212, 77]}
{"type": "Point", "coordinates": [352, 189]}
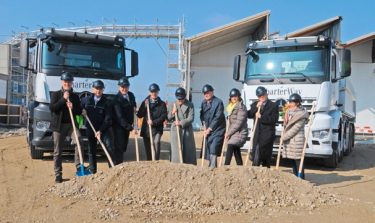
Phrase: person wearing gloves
{"type": "Point", "coordinates": [294, 132]}
{"type": "Point", "coordinates": [237, 130]}
{"type": "Point", "coordinates": [122, 119]}
{"type": "Point", "coordinates": [158, 114]}
{"type": "Point", "coordinates": [184, 110]}
{"type": "Point", "coordinates": [212, 116]}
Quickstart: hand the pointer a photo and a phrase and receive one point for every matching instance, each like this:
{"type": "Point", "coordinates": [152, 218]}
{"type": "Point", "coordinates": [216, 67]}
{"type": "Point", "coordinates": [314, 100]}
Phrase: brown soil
{"type": "Point", "coordinates": [164, 192]}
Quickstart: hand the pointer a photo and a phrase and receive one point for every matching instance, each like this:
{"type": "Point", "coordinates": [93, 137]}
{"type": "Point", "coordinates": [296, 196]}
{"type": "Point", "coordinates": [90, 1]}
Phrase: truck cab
{"type": "Point", "coordinates": [88, 56]}
{"type": "Point", "coordinates": [316, 68]}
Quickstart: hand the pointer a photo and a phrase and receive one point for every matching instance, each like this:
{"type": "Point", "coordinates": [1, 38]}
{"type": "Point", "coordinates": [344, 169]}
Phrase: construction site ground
{"type": "Point", "coordinates": [28, 192]}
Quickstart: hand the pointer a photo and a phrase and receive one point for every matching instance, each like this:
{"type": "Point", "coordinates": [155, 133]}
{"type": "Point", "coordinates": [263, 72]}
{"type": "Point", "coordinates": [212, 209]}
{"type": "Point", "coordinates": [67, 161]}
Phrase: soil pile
{"type": "Point", "coordinates": [163, 187]}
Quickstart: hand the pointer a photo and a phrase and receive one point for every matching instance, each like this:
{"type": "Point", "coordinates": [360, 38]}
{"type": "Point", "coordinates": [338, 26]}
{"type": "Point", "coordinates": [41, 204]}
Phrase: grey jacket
{"type": "Point", "coordinates": [237, 130]}
{"type": "Point", "coordinates": [294, 135]}
{"type": "Point", "coordinates": [185, 114]}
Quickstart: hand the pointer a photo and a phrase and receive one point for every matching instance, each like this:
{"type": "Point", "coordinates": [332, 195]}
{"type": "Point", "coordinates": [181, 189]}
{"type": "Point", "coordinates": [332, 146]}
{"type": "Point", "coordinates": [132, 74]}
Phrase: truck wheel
{"type": "Point", "coordinates": [35, 154]}
{"type": "Point", "coordinates": [333, 160]}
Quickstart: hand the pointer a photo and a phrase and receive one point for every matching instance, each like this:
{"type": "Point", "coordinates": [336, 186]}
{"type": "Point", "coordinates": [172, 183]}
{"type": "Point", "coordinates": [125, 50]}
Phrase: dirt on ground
{"type": "Point", "coordinates": [165, 192]}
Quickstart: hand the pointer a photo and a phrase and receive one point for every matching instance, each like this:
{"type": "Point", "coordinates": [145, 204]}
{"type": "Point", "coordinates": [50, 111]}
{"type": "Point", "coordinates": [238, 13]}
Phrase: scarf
{"type": "Point", "coordinates": [230, 107]}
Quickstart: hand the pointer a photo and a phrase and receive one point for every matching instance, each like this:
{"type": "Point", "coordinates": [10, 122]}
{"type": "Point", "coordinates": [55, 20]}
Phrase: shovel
{"type": "Point", "coordinates": [204, 144]}
{"type": "Point", "coordinates": [305, 143]}
{"type": "Point", "coordinates": [252, 138]}
{"type": "Point", "coordinates": [279, 151]}
{"type": "Point", "coordinates": [150, 131]}
{"type": "Point", "coordinates": [178, 134]}
{"type": "Point", "coordinates": [136, 137]}
{"type": "Point", "coordinates": [82, 170]}
{"type": "Point", "coordinates": [101, 143]}
{"type": "Point", "coordinates": [224, 144]}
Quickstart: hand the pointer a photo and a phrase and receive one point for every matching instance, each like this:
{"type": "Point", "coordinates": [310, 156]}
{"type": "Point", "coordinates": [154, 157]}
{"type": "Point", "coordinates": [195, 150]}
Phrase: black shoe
{"type": "Point", "coordinates": [58, 179]}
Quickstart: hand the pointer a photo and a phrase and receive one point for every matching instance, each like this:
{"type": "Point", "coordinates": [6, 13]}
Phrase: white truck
{"type": "Point", "coordinates": [88, 56]}
{"type": "Point", "coordinates": [316, 68]}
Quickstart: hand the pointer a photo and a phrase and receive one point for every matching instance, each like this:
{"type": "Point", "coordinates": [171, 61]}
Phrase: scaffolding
{"type": "Point", "coordinates": [175, 53]}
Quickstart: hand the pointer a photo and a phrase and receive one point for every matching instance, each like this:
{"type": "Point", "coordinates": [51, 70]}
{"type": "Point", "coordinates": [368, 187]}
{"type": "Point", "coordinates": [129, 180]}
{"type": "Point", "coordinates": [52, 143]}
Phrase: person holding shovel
{"type": "Point", "coordinates": [184, 110]}
{"type": "Point", "coordinates": [237, 130]}
{"type": "Point", "coordinates": [154, 112]}
{"type": "Point", "coordinates": [61, 123]}
{"type": "Point", "coordinates": [123, 108]}
{"type": "Point", "coordinates": [267, 114]}
{"type": "Point", "coordinates": [97, 109]}
{"type": "Point", "coordinates": [294, 132]}
{"type": "Point", "coordinates": [212, 114]}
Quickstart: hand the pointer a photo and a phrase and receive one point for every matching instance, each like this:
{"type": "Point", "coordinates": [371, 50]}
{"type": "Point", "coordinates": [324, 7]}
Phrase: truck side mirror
{"type": "Point", "coordinates": [134, 63]}
{"type": "Point", "coordinates": [345, 59]}
{"type": "Point", "coordinates": [24, 54]}
{"type": "Point", "coordinates": [236, 68]}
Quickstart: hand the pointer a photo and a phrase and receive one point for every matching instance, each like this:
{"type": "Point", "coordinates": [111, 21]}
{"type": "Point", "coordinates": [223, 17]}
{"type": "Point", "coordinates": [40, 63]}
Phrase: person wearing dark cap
{"type": "Point", "coordinates": [212, 117]}
{"type": "Point", "coordinates": [294, 132]}
{"type": "Point", "coordinates": [264, 135]}
{"type": "Point", "coordinates": [237, 129]}
{"type": "Point", "coordinates": [96, 107]}
{"type": "Point", "coordinates": [61, 123]}
{"type": "Point", "coordinates": [124, 105]}
{"type": "Point", "coordinates": [158, 114]}
{"type": "Point", "coordinates": [184, 111]}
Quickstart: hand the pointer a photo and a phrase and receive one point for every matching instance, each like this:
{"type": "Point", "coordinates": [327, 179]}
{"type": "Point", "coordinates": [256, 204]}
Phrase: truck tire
{"type": "Point", "coordinates": [35, 153]}
{"type": "Point", "coordinates": [333, 160]}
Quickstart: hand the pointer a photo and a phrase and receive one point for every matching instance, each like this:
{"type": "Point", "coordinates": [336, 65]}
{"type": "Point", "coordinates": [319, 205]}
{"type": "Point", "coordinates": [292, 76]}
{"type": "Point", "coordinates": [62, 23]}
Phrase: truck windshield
{"type": "Point", "coordinates": [304, 64]}
{"type": "Point", "coordinates": [83, 59]}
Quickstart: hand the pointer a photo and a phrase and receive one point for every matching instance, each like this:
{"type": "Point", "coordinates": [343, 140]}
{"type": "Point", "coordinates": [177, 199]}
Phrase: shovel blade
{"type": "Point", "coordinates": [82, 171]}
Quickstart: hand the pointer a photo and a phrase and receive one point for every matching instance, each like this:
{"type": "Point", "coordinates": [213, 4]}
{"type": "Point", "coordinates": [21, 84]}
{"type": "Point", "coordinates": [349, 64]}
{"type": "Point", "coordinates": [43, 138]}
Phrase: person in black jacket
{"type": "Point", "coordinates": [212, 116]}
{"type": "Point", "coordinates": [124, 106]}
{"type": "Point", "coordinates": [265, 131]}
{"type": "Point", "coordinates": [61, 124]}
{"type": "Point", "coordinates": [158, 113]}
{"type": "Point", "coordinates": [96, 108]}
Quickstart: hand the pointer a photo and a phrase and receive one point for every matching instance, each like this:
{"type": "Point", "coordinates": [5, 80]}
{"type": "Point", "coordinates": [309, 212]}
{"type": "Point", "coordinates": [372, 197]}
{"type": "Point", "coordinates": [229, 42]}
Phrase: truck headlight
{"type": "Point", "coordinates": [321, 134]}
{"type": "Point", "coordinates": [42, 126]}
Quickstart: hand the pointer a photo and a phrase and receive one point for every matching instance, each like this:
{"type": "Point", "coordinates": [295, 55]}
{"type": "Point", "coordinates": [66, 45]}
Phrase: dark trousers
{"type": "Point", "coordinates": [121, 139]}
{"type": "Point", "coordinates": [262, 155]}
{"type": "Point", "coordinates": [66, 129]}
{"type": "Point", "coordinates": [295, 165]}
{"type": "Point", "coordinates": [93, 144]}
{"type": "Point", "coordinates": [233, 150]}
{"type": "Point", "coordinates": [147, 143]}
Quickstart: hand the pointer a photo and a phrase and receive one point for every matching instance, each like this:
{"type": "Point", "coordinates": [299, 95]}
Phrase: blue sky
{"type": "Point", "coordinates": [286, 16]}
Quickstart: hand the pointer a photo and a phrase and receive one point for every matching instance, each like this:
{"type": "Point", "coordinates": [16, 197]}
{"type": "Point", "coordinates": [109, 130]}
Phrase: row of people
{"type": "Point", "coordinates": [119, 115]}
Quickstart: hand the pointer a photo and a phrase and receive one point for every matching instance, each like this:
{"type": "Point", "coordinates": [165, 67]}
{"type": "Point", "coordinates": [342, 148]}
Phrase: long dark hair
{"type": "Point", "coordinates": [239, 99]}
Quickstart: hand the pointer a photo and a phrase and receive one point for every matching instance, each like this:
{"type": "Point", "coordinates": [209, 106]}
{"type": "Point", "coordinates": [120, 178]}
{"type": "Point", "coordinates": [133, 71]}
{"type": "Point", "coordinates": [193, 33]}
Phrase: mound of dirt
{"type": "Point", "coordinates": [8, 132]}
{"type": "Point", "coordinates": [163, 187]}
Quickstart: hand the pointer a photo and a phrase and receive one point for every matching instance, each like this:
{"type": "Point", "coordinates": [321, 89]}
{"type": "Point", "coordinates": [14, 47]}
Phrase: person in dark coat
{"type": "Point", "coordinates": [124, 106]}
{"type": "Point", "coordinates": [158, 113]}
{"type": "Point", "coordinates": [265, 131]}
{"type": "Point", "coordinates": [184, 109]}
{"type": "Point", "coordinates": [97, 108]}
{"type": "Point", "coordinates": [212, 117]}
{"type": "Point", "coordinates": [237, 129]}
{"type": "Point", "coordinates": [61, 123]}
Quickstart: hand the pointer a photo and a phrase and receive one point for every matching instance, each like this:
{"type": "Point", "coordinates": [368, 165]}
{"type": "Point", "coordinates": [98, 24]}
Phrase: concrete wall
{"type": "Point", "coordinates": [215, 67]}
{"type": "Point", "coordinates": [363, 80]}
{"type": "Point", "coordinates": [4, 58]}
